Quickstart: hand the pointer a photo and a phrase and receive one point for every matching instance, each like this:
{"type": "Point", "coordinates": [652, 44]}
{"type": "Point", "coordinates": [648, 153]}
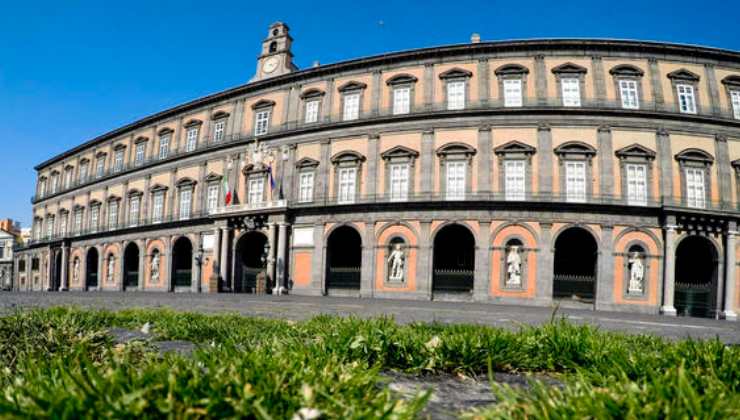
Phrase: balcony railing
{"type": "Point", "coordinates": [531, 201]}
{"type": "Point", "coordinates": [207, 142]}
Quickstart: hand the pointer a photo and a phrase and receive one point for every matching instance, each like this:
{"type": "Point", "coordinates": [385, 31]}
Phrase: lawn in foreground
{"type": "Point", "coordinates": [63, 362]}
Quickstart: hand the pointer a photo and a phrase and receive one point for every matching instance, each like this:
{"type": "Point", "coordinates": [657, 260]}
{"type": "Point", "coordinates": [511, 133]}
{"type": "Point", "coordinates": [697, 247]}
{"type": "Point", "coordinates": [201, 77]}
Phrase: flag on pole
{"type": "Point", "coordinates": [228, 196]}
{"type": "Point", "coordinates": [270, 177]}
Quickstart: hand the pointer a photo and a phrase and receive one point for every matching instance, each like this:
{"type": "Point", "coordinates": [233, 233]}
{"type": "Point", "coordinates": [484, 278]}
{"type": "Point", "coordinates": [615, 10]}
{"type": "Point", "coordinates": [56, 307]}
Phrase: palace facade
{"type": "Point", "coordinates": [593, 173]}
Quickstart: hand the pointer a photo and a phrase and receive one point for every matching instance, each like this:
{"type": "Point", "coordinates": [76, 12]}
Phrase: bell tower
{"type": "Point", "coordinates": [276, 58]}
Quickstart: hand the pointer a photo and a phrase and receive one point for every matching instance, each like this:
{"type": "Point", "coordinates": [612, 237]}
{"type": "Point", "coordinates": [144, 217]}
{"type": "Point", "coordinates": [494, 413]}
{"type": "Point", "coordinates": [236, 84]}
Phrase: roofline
{"type": "Point", "coordinates": [585, 45]}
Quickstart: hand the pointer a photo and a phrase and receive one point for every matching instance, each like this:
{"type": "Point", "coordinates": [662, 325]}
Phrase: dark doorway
{"type": "Point", "coordinates": [131, 267]}
{"type": "Point", "coordinates": [56, 281]}
{"type": "Point", "coordinates": [91, 269]}
{"type": "Point", "coordinates": [250, 250]}
{"type": "Point", "coordinates": [696, 277]}
{"type": "Point", "coordinates": [454, 260]}
{"type": "Point", "coordinates": [344, 259]}
{"type": "Point", "coordinates": [182, 262]}
{"type": "Point", "coordinates": [575, 265]}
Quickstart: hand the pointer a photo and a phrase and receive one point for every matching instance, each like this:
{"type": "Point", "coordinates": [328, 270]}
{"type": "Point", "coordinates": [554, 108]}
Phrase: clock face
{"type": "Point", "coordinates": [270, 64]}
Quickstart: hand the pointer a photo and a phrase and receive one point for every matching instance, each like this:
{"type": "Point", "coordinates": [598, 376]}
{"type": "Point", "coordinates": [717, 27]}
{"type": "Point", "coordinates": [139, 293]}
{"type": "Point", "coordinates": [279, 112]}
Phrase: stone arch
{"type": "Point", "coordinates": [181, 262]}
{"type": "Point", "coordinates": [698, 271]}
{"type": "Point", "coordinates": [453, 268]}
{"type": "Point", "coordinates": [248, 251]}
{"type": "Point", "coordinates": [651, 260]}
{"type": "Point", "coordinates": [500, 280]}
{"type": "Point", "coordinates": [575, 263]}
{"type": "Point", "coordinates": [160, 246]}
{"type": "Point", "coordinates": [343, 257]}
{"type": "Point", "coordinates": [110, 280]}
{"type": "Point", "coordinates": [385, 239]}
{"type": "Point", "coordinates": [657, 242]}
{"type": "Point", "coordinates": [92, 268]}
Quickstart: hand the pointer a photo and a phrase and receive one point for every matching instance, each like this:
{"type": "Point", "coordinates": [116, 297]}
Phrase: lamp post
{"type": "Point", "coordinates": [199, 261]}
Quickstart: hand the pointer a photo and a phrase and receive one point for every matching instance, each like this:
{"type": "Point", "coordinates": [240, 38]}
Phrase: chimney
{"type": "Point", "coordinates": [315, 63]}
{"type": "Point", "coordinates": [475, 38]}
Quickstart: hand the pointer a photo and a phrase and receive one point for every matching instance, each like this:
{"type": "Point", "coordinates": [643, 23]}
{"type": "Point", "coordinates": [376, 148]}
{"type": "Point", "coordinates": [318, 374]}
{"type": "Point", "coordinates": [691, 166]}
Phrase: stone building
{"type": "Point", "coordinates": [594, 173]}
{"type": "Point", "coordinates": [10, 238]}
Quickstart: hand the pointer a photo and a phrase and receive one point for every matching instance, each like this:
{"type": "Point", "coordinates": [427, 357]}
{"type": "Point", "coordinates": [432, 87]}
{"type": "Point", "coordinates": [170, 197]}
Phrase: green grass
{"type": "Point", "coordinates": [60, 363]}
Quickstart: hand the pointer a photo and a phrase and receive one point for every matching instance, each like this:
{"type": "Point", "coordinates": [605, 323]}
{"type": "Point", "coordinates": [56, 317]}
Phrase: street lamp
{"type": "Point", "coordinates": [199, 261]}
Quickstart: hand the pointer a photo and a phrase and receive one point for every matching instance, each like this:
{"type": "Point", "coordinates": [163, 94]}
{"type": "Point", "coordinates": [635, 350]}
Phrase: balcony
{"type": "Point", "coordinates": [261, 207]}
{"type": "Point", "coordinates": [206, 143]}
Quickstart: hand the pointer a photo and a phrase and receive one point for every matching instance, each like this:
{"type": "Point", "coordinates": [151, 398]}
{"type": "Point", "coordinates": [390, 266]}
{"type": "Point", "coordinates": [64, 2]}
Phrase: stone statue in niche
{"type": "Point", "coordinates": [111, 269]}
{"type": "Point", "coordinates": [396, 262]}
{"type": "Point", "coordinates": [76, 271]}
{"type": "Point", "coordinates": [513, 267]}
{"type": "Point", "coordinates": [155, 267]}
{"type": "Point", "coordinates": [637, 273]}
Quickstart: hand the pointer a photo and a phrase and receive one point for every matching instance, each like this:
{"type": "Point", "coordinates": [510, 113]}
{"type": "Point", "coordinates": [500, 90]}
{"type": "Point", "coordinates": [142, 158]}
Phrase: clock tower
{"type": "Point", "coordinates": [276, 58]}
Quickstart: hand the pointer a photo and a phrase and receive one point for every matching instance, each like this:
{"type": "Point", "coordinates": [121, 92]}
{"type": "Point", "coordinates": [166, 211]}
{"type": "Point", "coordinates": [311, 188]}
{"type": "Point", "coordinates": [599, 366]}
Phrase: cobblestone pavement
{"type": "Point", "coordinates": [302, 307]}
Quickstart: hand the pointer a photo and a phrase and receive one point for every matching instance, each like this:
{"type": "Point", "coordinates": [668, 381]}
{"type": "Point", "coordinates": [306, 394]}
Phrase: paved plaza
{"type": "Point", "coordinates": [302, 307]}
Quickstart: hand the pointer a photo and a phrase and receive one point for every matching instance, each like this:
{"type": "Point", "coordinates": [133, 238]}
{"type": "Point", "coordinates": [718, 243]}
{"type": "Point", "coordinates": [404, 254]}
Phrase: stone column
{"type": "Point", "coordinates": [665, 164]}
{"type": "Point", "coordinates": [424, 260]}
{"type": "Point", "coordinates": [730, 273]}
{"type": "Point", "coordinates": [606, 163]}
{"type": "Point", "coordinates": [282, 256]}
{"type": "Point", "coordinates": [722, 152]}
{"type": "Point", "coordinates": [540, 74]}
{"type": "Point", "coordinates": [544, 160]}
{"type": "Point", "coordinates": [200, 190]}
{"type": "Point", "coordinates": [271, 257]}
{"type": "Point", "coordinates": [144, 210]}
{"type": "Point", "coordinates": [102, 257]}
{"type": "Point", "coordinates": [426, 160]}
{"type": "Point", "coordinates": [484, 168]}
{"type": "Point", "coordinates": [597, 64]}
{"type": "Point", "coordinates": [372, 167]}
{"type": "Point", "coordinates": [64, 284]}
{"type": "Point", "coordinates": [327, 102]}
{"type": "Point", "coordinates": [483, 89]}
{"type": "Point", "coordinates": [224, 260]}
{"type": "Point", "coordinates": [605, 273]}
{"type": "Point", "coordinates": [375, 94]}
{"type": "Point", "coordinates": [545, 266]}
{"type": "Point", "coordinates": [322, 183]}
{"type": "Point", "coordinates": [171, 193]}
{"type": "Point", "coordinates": [669, 272]}
{"type": "Point", "coordinates": [216, 272]}
{"type": "Point", "coordinates": [197, 282]}
{"type": "Point", "coordinates": [367, 272]}
{"type": "Point", "coordinates": [317, 264]}
{"type": "Point", "coordinates": [428, 86]}
{"type": "Point", "coordinates": [142, 264]}
{"type": "Point", "coordinates": [655, 82]}
{"type": "Point", "coordinates": [481, 281]}
{"type": "Point", "coordinates": [712, 88]}
{"type": "Point", "coordinates": [122, 267]}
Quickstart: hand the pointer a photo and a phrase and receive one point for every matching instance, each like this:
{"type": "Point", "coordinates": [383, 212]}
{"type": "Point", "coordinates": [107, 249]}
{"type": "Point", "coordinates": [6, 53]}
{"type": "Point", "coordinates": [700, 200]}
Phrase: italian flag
{"type": "Point", "coordinates": [228, 197]}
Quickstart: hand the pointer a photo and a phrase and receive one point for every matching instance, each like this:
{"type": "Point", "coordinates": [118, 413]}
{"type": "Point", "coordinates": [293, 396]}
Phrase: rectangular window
{"type": "Point", "coordinates": [192, 139]}
{"type": "Point", "coordinates": [63, 225]}
{"type": "Point", "coordinates": [305, 188]}
{"type": "Point", "coordinates": [571, 91]}
{"type": "Point", "coordinates": [113, 215]}
{"type": "Point", "coordinates": [140, 150]}
{"type": "Point", "coordinates": [68, 179]}
{"type": "Point", "coordinates": [218, 130]}
{"type": "Point", "coordinates": [575, 182]}
{"type": "Point", "coordinates": [686, 101]}
{"type": "Point", "coordinates": [49, 227]}
{"type": "Point", "coordinates": [456, 180]}
{"type": "Point", "coordinates": [100, 170]}
{"type": "Point", "coordinates": [636, 184]}
{"type": "Point", "coordinates": [83, 172]}
{"type": "Point", "coordinates": [94, 218]}
{"type": "Point", "coordinates": [212, 198]}
{"type": "Point", "coordinates": [164, 146]}
{"type": "Point", "coordinates": [514, 180]}
{"type": "Point", "coordinates": [312, 112]}
{"type": "Point", "coordinates": [262, 122]}
{"type": "Point", "coordinates": [351, 106]}
{"type": "Point", "coordinates": [512, 92]}
{"type": "Point", "coordinates": [695, 190]}
{"type": "Point", "coordinates": [54, 183]}
{"type": "Point", "coordinates": [456, 95]}
{"type": "Point", "coordinates": [256, 189]}
{"type": "Point", "coordinates": [42, 187]}
{"type": "Point", "coordinates": [628, 92]}
{"type": "Point", "coordinates": [399, 181]}
{"type": "Point", "coordinates": [186, 197]}
{"type": "Point", "coordinates": [735, 98]}
{"type": "Point", "coordinates": [158, 207]}
{"type": "Point", "coordinates": [133, 210]}
{"type": "Point", "coordinates": [347, 185]}
{"type": "Point", "coordinates": [118, 161]}
{"type": "Point", "coordinates": [401, 100]}
{"type": "Point", "coordinates": [78, 221]}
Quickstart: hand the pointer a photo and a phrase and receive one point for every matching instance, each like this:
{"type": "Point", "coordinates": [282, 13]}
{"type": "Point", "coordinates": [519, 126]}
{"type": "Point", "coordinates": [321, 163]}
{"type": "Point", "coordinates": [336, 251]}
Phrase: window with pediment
{"type": "Point", "coordinates": [456, 88]}
{"type": "Point", "coordinates": [512, 84]}
{"type": "Point", "coordinates": [192, 131]}
{"type": "Point", "coordinates": [352, 94]}
{"type": "Point", "coordinates": [515, 169]}
{"type": "Point", "coordinates": [571, 83]}
{"type": "Point", "coordinates": [312, 100]}
{"type": "Point", "coordinates": [158, 193]}
{"type": "Point", "coordinates": [347, 176]}
{"type": "Point", "coordinates": [219, 120]}
{"type": "Point", "coordinates": [455, 168]}
{"type": "Point", "coordinates": [696, 166]}
{"type": "Point", "coordinates": [636, 168]}
{"type": "Point", "coordinates": [306, 170]}
{"type": "Point", "coordinates": [165, 141]}
{"type": "Point", "coordinates": [732, 88]}
{"type": "Point", "coordinates": [402, 91]}
{"type": "Point", "coordinates": [628, 85]}
{"type": "Point", "coordinates": [262, 111]}
{"type": "Point", "coordinates": [685, 90]}
{"type": "Point", "coordinates": [185, 190]}
{"type": "Point", "coordinates": [399, 172]}
{"type": "Point", "coordinates": [576, 167]}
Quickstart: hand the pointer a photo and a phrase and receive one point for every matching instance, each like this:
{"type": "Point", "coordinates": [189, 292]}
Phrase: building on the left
{"type": "Point", "coordinates": [10, 238]}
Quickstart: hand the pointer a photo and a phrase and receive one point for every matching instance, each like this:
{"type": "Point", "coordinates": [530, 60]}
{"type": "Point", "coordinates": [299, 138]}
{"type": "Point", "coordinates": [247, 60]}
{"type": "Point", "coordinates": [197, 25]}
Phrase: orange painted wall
{"type": "Point", "coordinates": [651, 292]}
{"type": "Point", "coordinates": [497, 265]}
{"type": "Point", "coordinates": [381, 256]}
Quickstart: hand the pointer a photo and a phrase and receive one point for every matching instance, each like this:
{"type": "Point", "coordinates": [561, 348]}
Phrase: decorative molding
{"type": "Point", "coordinates": [511, 69]}
{"type": "Point", "coordinates": [732, 81]}
{"type": "Point", "coordinates": [401, 79]}
{"type": "Point", "coordinates": [262, 103]}
{"type": "Point", "coordinates": [514, 147]}
{"type": "Point", "coordinates": [193, 123]}
{"type": "Point", "coordinates": [165, 130]}
{"type": "Point", "coordinates": [569, 68]}
{"type": "Point", "coordinates": [683, 75]}
{"type": "Point", "coordinates": [351, 86]}
{"type": "Point", "coordinates": [219, 115]}
{"type": "Point", "coordinates": [575, 148]}
{"type": "Point", "coordinates": [456, 148]}
{"type": "Point", "coordinates": [456, 73]}
{"type": "Point", "coordinates": [307, 162]}
{"type": "Point", "coordinates": [347, 156]}
{"type": "Point", "coordinates": [695, 155]}
{"type": "Point", "coordinates": [399, 151]}
{"type": "Point", "coordinates": [312, 93]}
{"type": "Point", "coordinates": [635, 150]}
{"type": "Point", "coordinates": [626, 70]}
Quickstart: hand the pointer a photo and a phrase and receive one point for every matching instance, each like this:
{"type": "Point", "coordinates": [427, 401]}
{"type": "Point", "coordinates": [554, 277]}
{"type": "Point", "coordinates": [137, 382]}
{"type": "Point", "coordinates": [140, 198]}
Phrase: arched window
{"type": "Point", "coordinates": [273, 46]}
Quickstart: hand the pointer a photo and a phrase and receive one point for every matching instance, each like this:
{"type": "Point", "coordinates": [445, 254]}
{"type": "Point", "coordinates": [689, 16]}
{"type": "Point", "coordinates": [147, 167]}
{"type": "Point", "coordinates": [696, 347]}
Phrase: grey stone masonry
{"type": "Point", "coordinates": [669, 271]}
{"type": "Point", "coordinates": [712, 88]}
{"type": "Point", "coordinates": [655, 82]}
{"type": "Point", "coordinates": [327, 103]}
{"type": "Point", "coordinates": [485, 171]}
{"type": "Point", "coordinates": [372, 165]}
{"type": "Point", "coordinates": [724, 169]}
{"type": "Point", "coordinates": [605, 279]}
{"type": "Point", "coordinates": [483, 81]}
{"type": "Point", "coordinates": [426, 161]}
{"type": "Point", "coordinates": [322, 183]}
{"type": "Point", "coordinates": [599, 82]}
{"type": "Point", "coordinates": [665, 163]}
{"type": "Point", "coordinates": [375, 94]}
{"type": "Point", "coordinates": [544, 158]}
{"type": "Point", "coordinates": [317, 262]}
{"type": "Point", "coordinates": [545, 265]}
{"type": "Point", "coordinates": [540, 74]}
{"type": "Point", "coordinates": [606, 161]}
{"type": "Point", "coordinates": [482, 263]}
{"type": "Point", "coordinates": [428, 86]}
{"type": "Point", "coordinates": [368, 261]}
{"type": "Point", "coordinates": [424, 260]}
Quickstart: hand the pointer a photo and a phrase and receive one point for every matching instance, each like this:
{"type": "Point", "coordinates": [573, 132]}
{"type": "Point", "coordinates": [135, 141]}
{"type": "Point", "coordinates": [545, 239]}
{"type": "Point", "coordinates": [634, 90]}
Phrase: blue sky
{"type": "Point", "coordinates": [71, 70]}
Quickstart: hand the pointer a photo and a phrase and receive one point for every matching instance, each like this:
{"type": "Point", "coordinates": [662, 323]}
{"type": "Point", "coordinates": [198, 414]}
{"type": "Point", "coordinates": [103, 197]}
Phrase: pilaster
{"type": "Point", "coordinates": [424, 260]}
{"type": "Point", "coordinates": [428, 86]}
{"type": "Point", "coordinates": [605, 279]}
{"type": "Point", "coordinates": [724, 170]}
{"type": "Point", "coordinates": [597, 66]}
{"type": "Point", "coordinates": [712, 88]}
{"type": "Point", "coordinates": [540, 74]}
{"type": "Point", "coordinates": [606, 162]}
{"type": "Point", "coordinates": [483, 81]}
{"type": "Point", "coordinates": [327, 103]}
{"type": "Point", "coordinates": [372, 166]}
{"type": "Point", "coordinates": [375, 94]}
{"type": "Point", "coordinates": [322, 183]}
{"type": "Point", "coordinates": [367, 271]}
{"type": "Point", "coordinates": [665, 162]}
{"type": "Point", "coordinates": [426, 161]}
{"type": "Point", "coordinates": [656, 85]}
{"type": "Point", "coordinates": [669, 272]}
{"type": "Point", "coordinates": [544, 159]}
{"type": "Point", "coordinates": [545, 265]}
{"type": "Point", "coordinates": [485, 171]}
{"type": "Point", "coordinates": [729, 313]}
{"type": "Point", "coordinates": [481, 279]}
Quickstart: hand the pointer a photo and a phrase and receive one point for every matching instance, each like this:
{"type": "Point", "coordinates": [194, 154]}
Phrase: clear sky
{"type": "Point", "coordinates": [72, 70]}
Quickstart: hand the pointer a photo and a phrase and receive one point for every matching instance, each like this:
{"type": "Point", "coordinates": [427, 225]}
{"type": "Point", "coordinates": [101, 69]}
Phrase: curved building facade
{"type": "Point", "coordinates": [594, 173]}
